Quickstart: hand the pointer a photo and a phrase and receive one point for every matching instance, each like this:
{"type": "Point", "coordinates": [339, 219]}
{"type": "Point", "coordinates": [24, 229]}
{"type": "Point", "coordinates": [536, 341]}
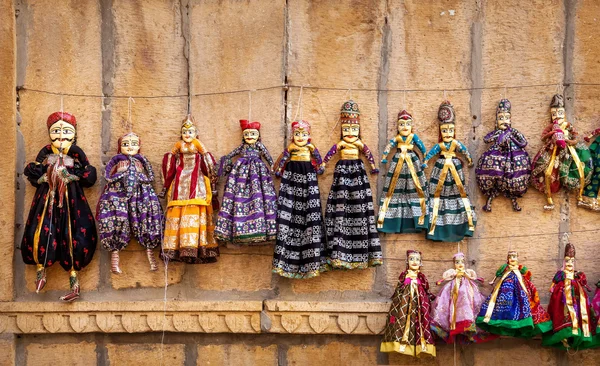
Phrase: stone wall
{"type": "Point", "coordinates": [97, 53]}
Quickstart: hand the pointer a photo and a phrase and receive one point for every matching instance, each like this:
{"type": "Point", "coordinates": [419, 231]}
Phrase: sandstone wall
{"type": "Point", "coordinates": [98, 53]}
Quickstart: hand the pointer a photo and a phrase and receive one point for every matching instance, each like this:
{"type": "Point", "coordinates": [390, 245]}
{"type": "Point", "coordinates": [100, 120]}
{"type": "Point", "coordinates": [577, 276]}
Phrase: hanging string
{"type": "Point", "coordinates": [129, 119]}
{"type": "Point", "coordinates": [298, 107]}
{"type": "Point", "coordinates": [445, 97]}
{"type": "Point", "coordinates": [62, 110]}
{"type": "Point", "coordinates": [404, 99]}
{"type": "Point", "coordinates": [348, 93]}
{"type": "Point", "coordinates": [249, 105]}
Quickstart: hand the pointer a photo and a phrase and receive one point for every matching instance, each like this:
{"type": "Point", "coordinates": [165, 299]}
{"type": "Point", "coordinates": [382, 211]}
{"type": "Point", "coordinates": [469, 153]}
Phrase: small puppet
{"type": "Point", "coordinates": [505, 168]}
{"type": "Point", "coordinates": [562, 161]}
{"type": "Point", "coordinates": [451, 215]}
{"type": "Point", "coordinates": [60, 226]}
{"type": "Point", "coordinates": [300, 245]}
{"type": "Point", "coordinates": [408, 329]}
{"type": "Point", "coordinates": [590, 193]}
{"type": "Point", "coordinates": [352, 237]}
{"type": "Point", "coordinates": [513, 308]}
{"type": "Point", "coordinates": [189, 178]}
{"type": "Point", "coordinates": [128, 205]}
{"type": "Point", "coordinates": [403, 205]}
{"type": "Point", "coordinates": [248, 211]}
{"type": "Point", "coordinates": [573, 320]}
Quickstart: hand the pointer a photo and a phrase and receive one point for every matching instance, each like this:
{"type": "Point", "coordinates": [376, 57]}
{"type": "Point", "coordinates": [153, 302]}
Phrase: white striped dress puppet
{"type": "Point", "coordinates": [352, 237]}
{"type": "Point", "coordinates": [451, 215]}
{"type": "Point", "coordinates": [128, 205]}
{"type": "Point", "coordinates": [402, 208]}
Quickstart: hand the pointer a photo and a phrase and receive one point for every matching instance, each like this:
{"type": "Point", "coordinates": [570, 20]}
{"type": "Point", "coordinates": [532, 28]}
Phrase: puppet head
{"type": "Point", "coordinates": [129, 144]}
{"type": "Point", "coordinates": [503, 115]}
{"type": "Point", "coordinates": [512, 258]}
{"type": "Point", "coordinates": [569, 260]}
{"type": "Point", "coordinates": [405, 122]}
{"type": "Point", "coordinates": [350, 120]}
{"type": "Point", "coordinates": [188, 129]}
{"type": "Point", "coordinates": [251, 131]}
{"type": "Point", "coordinates": [61, 128]}
{"type": "Point", "coordinates": [413, 260]}
{"type": "Point", "coordinates": [446, 119]}
{"type": "Point", "coordinates": [557, 109]}
{"type": "Point", "coordinates": [301, 133]}
{"type": "Point", "coordinates": [459, 261]}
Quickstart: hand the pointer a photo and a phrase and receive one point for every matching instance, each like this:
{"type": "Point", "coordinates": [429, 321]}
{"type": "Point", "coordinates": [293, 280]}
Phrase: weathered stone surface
{"type": "Point", "coordinates": [445, 355]}
{"type": "Point", "coordinates": [146, 354]}
{"type": "Point", "coordinates": [528, 351]}
{"type": "Point", "coordinates": [58, 278]}
{"type": "Point", "coordinates": [7, 351]}
{"type": "Point", "coordinates": [240, 354]}
{"type": "Point", "coordinates": [332, 353]}
{"type": "Point", "coordinates": [136, 270]}
{"type": "Point", "coordinates": [355, 280]}
{"type": "Point", "coordinates": [61, 353]}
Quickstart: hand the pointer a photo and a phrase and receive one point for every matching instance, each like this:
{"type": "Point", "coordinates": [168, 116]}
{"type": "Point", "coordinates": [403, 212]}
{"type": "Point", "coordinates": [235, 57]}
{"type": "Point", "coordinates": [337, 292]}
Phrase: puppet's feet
{"type": "Point", "coordinates": [40, 280]}
{"type": "Point", "coordinates": [515, 205]}
{"type": "Point", "coordinates": [74, 284]}
{"type": "Point", "coordinates": [114, 262]}
{"type": "Point", "coordinates": [488, 205]}
{"type": "Point", "coordinates": [548, 207]}
{"type": "Point", "coordinates": [152, 260]}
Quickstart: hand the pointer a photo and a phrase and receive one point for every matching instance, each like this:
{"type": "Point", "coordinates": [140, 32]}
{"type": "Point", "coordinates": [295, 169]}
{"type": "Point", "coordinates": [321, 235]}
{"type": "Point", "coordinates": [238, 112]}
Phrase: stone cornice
{"type": "Point", "coordinates": [270, 316]}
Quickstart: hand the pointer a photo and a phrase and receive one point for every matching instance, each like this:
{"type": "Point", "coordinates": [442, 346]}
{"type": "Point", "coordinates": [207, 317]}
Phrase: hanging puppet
{"type": "Point", "coordinates": [513, 308]}
{"type": "Point", "coordinates": [352, 237]}
{"type": "Point", "coordinates": [596, 300]}
{"type": "Point", "coordinates": [248, 210]}
{"type": "Point", "coordinates": [300, 246]}
{"type": "Point", "coordinates": [573, 320]}
{"type": "Point", "coordinates": [189, 177]}
{"type": "Point", "coordinates": [60, 226]}
{"type": "Point", "coordinates": [562, 161]}
{"type": "Point", "coordinates": [408, 324]}
{"type": "Point", "coordinates": [590, 193]}
{"type": "Point", "coordinates": [505, 168]}
{"type": "Point", "coordinates": [128, 205]}
{"type": "Point", "coordinates": [451, 215]}
{"type": "Point", "coordinates": [455, 309]}
{"type": "Point", "coordinates": [402, 208]}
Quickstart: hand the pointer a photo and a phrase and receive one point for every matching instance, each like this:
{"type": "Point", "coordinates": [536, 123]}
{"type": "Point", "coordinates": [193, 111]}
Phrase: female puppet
{"type": "Point", "coordinates": [505, 168]}
{"type": "Point", "coordinates": [300, 245]}
{"type": "Point", "coordinates": [455, 309]}
{"type": "Point", "coordinates": [562, 161]}
{"type": "Point", "coordinates": [590, 193]}
{"type": "Point", "coordinates": [408, 324]}
{"type": "Point", "coordinates": [248, 210]}
{"type": "Point", "coordinates": [60, 226]}
{"type": "Point", "coordinates": [513, 308]}
{"type": "Point", "coordinates": [573, 320]}
{"type": "Point", "coordinates": [402, 208]}
{"type": "Point", "coordinates": [129, 204]}
{"type": "Point", "coordinates": [189, 175]}
{"type": "Point", "coordinates": [352, 237]}
{"type": "Point", "coordinates": [450, 212]}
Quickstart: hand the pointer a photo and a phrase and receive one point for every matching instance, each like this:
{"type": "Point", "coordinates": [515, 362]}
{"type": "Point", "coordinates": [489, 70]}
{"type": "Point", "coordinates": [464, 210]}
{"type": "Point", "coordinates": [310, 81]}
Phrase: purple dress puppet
{"type": "Point", "coordinates": [505, 168]}
{"type": "Point", "coordinates": [249, 210]}
{"type": "Point", "coordinates": [128, 205]}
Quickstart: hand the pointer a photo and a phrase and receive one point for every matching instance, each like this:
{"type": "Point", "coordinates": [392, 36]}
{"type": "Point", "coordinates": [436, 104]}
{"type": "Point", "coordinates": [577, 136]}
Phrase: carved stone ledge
{"type": "Point", "coordinates": [315, 317]}
{"type": "Point", "coordinates": [131, 317]}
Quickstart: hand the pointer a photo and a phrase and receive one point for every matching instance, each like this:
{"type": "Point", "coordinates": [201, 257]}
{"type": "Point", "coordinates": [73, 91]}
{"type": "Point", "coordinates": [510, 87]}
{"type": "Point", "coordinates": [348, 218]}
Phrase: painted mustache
{"type": "Point", "coordinates": [63, 139]}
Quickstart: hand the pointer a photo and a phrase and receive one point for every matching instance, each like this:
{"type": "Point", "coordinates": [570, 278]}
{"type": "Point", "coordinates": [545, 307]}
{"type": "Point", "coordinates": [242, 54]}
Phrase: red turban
{"type": "Point", "coordinates": [245, 125]}
{"type": "Point", "coordinates": [61, 116]}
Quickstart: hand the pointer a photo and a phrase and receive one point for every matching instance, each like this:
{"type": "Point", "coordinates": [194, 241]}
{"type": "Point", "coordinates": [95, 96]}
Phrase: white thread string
{"type": "Point", "coordinates": [404, 99]}
{"type": "Point", "coordinates": [298, 107]}
{"type": "Point", "coordinates": [249, 105]}
{"type": "Point", "coordinates": [129, 119]}
{"type": "Point", "coordinates": [348, 93]}
{"type": "Point", "coordinates": [445, 96]}
{"type": "Point", "coordinates": [61, 106]}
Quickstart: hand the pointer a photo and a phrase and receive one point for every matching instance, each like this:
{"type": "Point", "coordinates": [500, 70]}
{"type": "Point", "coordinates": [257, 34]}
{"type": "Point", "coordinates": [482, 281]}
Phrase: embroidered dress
{"type": "Point", "coordinates": [505, 168]}
{"type": "Point", "coordinates": [402, 208]}
{"type": "Point", "coordinates": [513, 308]}
{"type": "Point", "coordinates": [455, 309]}
{"type": "Point", "coordinates": [408, 323]}
{"type": "Point", "coordinates": [129, 206]}
{"type": "Point", "coordinates": [300, 245]}
{"type": "Point", "coordinates": [596, 300]}
{"type": "Point", "coordinates": [188, 172]}
{"type": "Point", "coordinates": [590, 193]}
{"type": "Point", "coordinates": [248, 210]}
{"type": "Point", "coordinates": [562, 161]}
{"type": "Point", "coordinates": [449, 208]}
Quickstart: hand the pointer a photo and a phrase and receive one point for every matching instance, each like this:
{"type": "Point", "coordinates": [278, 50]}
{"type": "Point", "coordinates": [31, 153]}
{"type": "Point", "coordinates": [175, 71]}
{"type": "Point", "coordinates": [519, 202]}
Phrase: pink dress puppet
{"type": "Point", "coordinates": [455, 309]}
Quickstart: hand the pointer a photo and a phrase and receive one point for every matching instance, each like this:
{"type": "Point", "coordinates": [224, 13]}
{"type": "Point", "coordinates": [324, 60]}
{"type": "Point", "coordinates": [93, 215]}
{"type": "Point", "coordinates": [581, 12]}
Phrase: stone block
{"type": "Point", "coordinates": [68, 354]}
{"type": "Point", "coordinates": [58, 278]}
{"type": "Point", "coordinates": [586, 52]}
{"type": "Point", "coordinates": [136, 270]}
{"type": "Point", "coordinates": [445, 355]}
{"type": "Point", "coordinates": [332, 353]}
{"type": "Point", "coordinates": [240, 354]}
{"type": "Point", "coordinates": [354, 280]}
{"type": "Point", "coordinates": [503, 351]}
{"type": "Point", "coordinates": [146, 354]}
{"type": "Point", "coordinates": [7, 351]}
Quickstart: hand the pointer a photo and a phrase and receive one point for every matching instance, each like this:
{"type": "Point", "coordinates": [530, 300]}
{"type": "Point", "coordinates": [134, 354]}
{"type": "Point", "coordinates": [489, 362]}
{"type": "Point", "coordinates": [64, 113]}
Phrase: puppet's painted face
{"type": "Point", "coordinates": [570, 263]}
{"type": "Point", "coordinates": [503, 120]}
{"type": "Point", "coordinates": [301, 136]}
{"type": "Point", "coordinates": [447, 131]}
{"type": "Point", "coordinates": [130, 145]}
{"type": "Point", "coordinates": [62, 135]}
{"type": "Point", "coordinates": [557, 114]}
{"type": "Point", "coordinates": [251, 135]}
{"type": "Point", "coordinates": [188, 134]}
{"type": "Point", "coordinates": [414, 261]}
{"type": "Point", "coordinates": [513, 259]}
{"type": "Point", "coordinates": [459, 263]}
{"type": "Point", "coordinates": [405, 127]}
{"type": "Point", "coordinates": [350, 132]}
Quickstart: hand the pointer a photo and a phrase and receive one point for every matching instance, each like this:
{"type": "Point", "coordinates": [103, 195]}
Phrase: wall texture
{"type": "Point", "coordinates": [97, 53]}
